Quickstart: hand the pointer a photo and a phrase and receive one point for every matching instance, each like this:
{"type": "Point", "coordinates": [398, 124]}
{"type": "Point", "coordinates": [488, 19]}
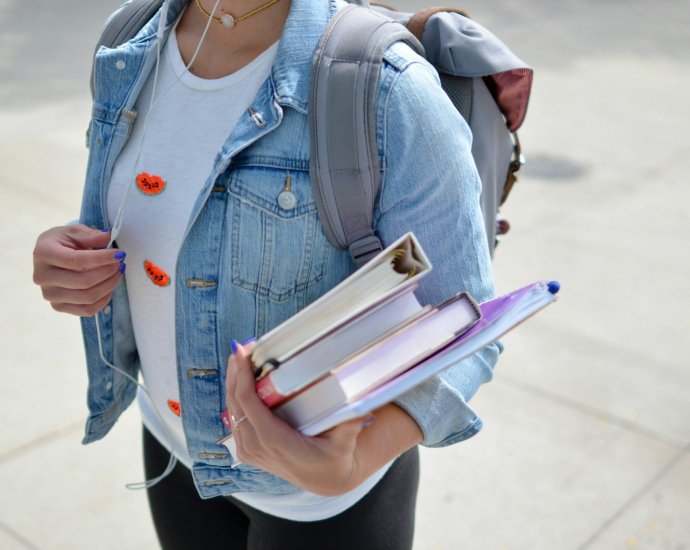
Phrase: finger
{"type": "Point", "coordinates": [86, 238]}
{"type": "Point", "coordinates": [231, 401]}
{"type": "Point", "coordinates": [76, 280]}
{"type": "Point", "coordinates": [54, 253]}
{"type": "Point", "coordinates": [83, 311]}
{"type": "Point", "coordinates": [67, 280]}
{"type": "Point", "coordinates": [82, 297]}
{"type": "Point", "coordinates": [61, 251]}
{"type": "Point", "coordinates": [238, 431]}
{"type": "Point", "coordinates": [269, 428]}
{"type": "Point", "coordinates": [250, 450]}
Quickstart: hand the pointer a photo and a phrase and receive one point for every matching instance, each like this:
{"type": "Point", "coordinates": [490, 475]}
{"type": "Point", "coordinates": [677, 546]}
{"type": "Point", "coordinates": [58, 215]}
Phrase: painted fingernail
{"type": "Point", "coordinates": [249, 341]}
{"type": "Point", "coordinates": [122, 268]}
{"type": "Point", "coordinates": [233, 345]}
{"type": "Point", "coordinates": [120, 255]}
{"type": "Point", "coordinates": [225, 417]}
{"type": "Point", "coordinates": [369, 422]}
{"type": "Point", "coordinates": [106, 230]}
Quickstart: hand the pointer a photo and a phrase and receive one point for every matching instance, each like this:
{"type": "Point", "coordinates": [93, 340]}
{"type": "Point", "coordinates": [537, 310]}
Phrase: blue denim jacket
{"type": "Point", "coordinates": [261, 263]}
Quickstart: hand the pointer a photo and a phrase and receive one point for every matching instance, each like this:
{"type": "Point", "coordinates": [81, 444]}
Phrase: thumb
{"type": "Point", "coordinates": [88, 237]}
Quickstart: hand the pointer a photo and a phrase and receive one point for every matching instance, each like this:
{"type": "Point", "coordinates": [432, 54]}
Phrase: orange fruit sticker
{"type": "Point", "coordinates": [156, 274]}
{"type": "Point", "coordinates": [150, 185]}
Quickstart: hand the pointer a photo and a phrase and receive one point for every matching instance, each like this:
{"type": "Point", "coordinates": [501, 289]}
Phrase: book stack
{"type": "Point", "coordinates": [368, 340]}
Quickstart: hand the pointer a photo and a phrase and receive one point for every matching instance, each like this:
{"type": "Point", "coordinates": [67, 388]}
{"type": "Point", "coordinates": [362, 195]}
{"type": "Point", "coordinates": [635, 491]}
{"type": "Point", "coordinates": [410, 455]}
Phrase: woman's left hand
{"type": "Point", "coordinates": [328, 464]}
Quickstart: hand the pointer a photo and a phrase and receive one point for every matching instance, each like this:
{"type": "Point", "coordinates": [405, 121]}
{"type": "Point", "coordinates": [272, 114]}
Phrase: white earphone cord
{"type": "Point", "coordinates": [162, 26]}
{"type": "Point", "coordinates": [161, 29]}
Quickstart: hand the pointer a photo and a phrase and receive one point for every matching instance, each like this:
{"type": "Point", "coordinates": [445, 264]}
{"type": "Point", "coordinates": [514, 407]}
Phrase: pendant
{"type": "Point", "coordinates": [227, 20]}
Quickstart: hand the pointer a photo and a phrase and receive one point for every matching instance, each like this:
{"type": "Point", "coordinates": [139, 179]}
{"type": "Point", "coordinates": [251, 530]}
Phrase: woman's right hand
{"type": "Point", "coordinates": [73, 276]}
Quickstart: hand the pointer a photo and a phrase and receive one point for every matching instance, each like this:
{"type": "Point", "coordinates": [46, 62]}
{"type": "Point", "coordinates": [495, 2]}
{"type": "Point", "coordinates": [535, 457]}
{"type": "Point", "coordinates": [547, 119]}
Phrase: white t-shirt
{"type": "Point", "coordinates": [186, 130]}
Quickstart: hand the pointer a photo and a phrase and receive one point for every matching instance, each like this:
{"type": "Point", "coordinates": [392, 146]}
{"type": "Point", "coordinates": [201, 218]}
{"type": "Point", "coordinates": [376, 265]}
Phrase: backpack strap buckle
{"type": "Point", "coordinates": [365, 249]}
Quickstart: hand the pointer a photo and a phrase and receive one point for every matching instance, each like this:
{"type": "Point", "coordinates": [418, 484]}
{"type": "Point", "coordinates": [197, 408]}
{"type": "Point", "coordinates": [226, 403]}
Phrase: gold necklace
{"type": "Point", "coordinates": [228, 20]}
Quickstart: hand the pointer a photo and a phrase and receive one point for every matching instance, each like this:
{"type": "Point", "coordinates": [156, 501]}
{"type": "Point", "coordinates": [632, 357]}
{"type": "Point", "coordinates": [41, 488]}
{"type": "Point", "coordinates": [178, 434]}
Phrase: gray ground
{"type": "Point", "coordinates": [587, 436]}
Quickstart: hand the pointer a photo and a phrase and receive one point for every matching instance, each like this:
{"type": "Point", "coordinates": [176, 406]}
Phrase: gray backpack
{"type": "Point", "coordinates": [485, 81]}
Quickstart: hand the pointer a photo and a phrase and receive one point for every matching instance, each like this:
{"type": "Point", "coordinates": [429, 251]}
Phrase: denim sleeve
{"type": "Point", "coordinates": [430, 186]}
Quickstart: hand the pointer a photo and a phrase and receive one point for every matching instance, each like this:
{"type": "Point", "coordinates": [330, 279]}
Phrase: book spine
{"type": "Point", "coordinates": [267, 391]}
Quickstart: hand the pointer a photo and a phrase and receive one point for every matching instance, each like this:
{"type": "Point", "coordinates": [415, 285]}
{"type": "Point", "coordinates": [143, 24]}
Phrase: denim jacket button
{"type": "Point", "coordinates": [108, 385]}
{"type": "Point", "coordinates": [287, 200]}
{"type": "Point", "coordinates": [120, 64]}
{"type": "Point", "coordinates": [257, 118]}
{"type": "Point", "coordinates": [106, 310]}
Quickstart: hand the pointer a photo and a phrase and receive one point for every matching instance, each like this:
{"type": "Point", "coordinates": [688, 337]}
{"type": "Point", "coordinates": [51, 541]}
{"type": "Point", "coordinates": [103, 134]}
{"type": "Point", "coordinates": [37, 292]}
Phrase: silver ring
{"type": "Point", "coordinates": [236, 422]}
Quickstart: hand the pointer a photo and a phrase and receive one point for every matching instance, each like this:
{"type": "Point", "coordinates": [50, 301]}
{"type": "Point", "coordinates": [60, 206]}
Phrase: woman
{"type": "Point", "coordinates": [213, 258]}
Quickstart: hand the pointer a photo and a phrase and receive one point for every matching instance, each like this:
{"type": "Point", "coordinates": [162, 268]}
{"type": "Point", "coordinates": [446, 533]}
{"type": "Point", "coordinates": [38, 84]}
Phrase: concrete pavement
{"type": "Point", "coordinates": [586, 442]}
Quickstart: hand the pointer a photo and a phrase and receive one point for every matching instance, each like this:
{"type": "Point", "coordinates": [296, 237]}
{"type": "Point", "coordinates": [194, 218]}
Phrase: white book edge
{"type": "Point", "coordinates": [280, 330]}
{"type": "Point", "coordinates": [390, 357]}
{"type": "Point", "coordinates": [284, 377]}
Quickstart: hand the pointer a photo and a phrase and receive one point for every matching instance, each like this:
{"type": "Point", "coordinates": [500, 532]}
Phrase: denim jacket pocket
{"type": "Point", "coordinates": [279, 249]}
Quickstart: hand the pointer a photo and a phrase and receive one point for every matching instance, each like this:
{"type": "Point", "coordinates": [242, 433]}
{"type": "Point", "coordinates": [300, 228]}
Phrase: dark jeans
{"type": "Point", "coordinates": [383, 519]}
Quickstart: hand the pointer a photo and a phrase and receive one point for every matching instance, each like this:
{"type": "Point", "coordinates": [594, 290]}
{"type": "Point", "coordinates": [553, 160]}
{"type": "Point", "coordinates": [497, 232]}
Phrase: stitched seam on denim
{"type": "Point", "coordinates": [307, 245]}
{"type": "Point", "coordinates": [272, 294]}
{"type": "Point", "coordinates": [264, 161]}
{"type": "Point", "coordinates": [244, 475]}
{"type": "Point", "coordinates": [150, 45]}
{"type": "Point", "coordinates": [396, 61]}
{"type": "Point", "coordinates": [471, 430]}
{"type": "Point", "coordinates": [256, 287]}
{"type": "Point", "coordinates": [266, 261]}
{"type": "Point", "coordinates": [386, 84]}
{"type": "Point", "coordinates": [262, 204]}
{"type": "Point", "coordinates": [103, 115]}
{"type": "Point", "coordinates": [259, 289]}
{"type": "Point", "coordinates": [103, 415]}
{"type": "Point", "coordinates": [383, 180]}
{"type": "Point", "coordinates": [236, 239]}
{"type": "Point", "coordinates": [100, 418]}
{"type": "Point", "coordinates": [220, 393]}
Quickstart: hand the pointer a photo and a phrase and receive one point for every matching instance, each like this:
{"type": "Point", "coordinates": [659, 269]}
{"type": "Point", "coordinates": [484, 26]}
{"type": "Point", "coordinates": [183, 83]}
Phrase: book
{"type": "Point", "coordinates": [324, 355]}
{"type": "Point", "coordinates": [499, 316]}
{"type": "Point", "coordinates": [368, 341]}
{"type": "Point", "coordinates": [381, 361]}
{"type": "Point", "coordinates": [399, 266]}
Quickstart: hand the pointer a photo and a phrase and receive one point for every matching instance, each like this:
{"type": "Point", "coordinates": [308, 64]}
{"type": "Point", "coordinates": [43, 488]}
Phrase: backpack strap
{"type": "Point", "coordinates": [125, 24]}
{"type": "Point", "coordinates": [344, 166]}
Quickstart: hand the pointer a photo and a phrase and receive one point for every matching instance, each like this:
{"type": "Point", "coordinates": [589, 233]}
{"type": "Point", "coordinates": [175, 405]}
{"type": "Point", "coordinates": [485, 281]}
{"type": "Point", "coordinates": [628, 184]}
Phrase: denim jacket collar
{"type": "Point", "coordinates": [292, 66]}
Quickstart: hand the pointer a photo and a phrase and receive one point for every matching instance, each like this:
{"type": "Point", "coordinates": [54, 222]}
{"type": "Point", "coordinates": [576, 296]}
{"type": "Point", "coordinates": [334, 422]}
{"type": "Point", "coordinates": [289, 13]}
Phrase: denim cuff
{"type": "Point", "coordinates": [441, 412]}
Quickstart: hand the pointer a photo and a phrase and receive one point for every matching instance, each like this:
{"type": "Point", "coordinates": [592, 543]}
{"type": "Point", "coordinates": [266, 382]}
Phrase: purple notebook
{"type": "Point", "coordinates": [493, 309]}
{"type": "Point", "coordinates": [499, 316]}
